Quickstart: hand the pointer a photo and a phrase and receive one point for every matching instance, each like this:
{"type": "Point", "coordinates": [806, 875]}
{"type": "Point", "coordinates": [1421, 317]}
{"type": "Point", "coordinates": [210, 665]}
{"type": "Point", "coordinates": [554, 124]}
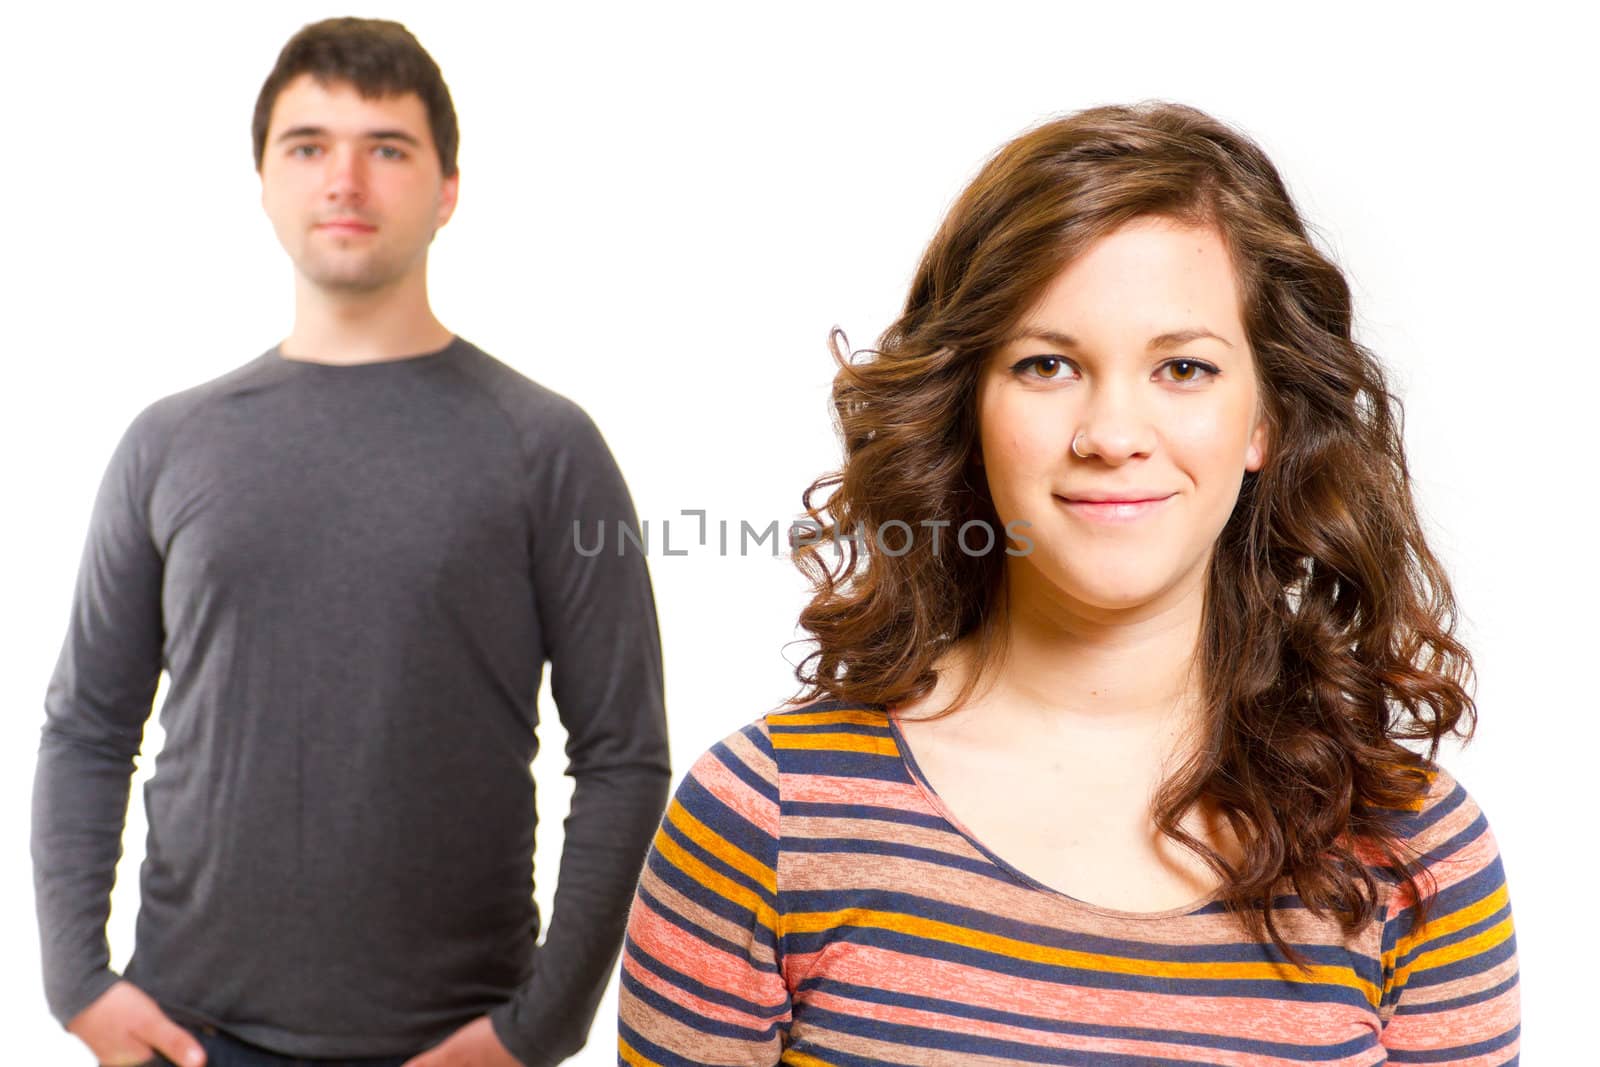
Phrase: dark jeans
{"type": "Point", "coordinates": [223, 1050]}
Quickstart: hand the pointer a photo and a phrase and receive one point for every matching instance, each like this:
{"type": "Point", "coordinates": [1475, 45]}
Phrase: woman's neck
{"type": "Point", "coordinates": [1065, 667]}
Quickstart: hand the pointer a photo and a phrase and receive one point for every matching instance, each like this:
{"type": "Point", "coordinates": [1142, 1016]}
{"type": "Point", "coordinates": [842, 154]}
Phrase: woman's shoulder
{"type": "Point", "coordinates": [763, 748]}
{"type": "Point", "coordinates": [781, 726]}
{"type": "Point", "coordinates": [1440, 810]}
{"type": "Point", "coordinates": [1447, 833]}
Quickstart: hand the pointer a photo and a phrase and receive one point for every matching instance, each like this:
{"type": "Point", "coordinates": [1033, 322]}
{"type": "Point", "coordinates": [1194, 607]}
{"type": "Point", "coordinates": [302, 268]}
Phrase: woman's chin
{"type": "Point", "coordinates": [1106, 590]}
{"type": "Point", "coordinates": [1118, 600]}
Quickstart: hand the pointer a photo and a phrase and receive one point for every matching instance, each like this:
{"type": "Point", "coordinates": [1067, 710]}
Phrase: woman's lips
{"type": "Point", "coordinates": [1113, 510]}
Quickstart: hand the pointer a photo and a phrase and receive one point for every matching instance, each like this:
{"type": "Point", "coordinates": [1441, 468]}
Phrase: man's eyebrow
{"type": "Point", "coordinates": [1170, 339]}
{"type": "Point", "coordinates": [371, 135]}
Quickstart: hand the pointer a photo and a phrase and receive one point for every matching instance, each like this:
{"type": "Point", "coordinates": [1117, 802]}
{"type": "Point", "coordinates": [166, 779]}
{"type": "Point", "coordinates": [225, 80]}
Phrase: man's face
{"type": "Point", "coordinates": [352, 186]}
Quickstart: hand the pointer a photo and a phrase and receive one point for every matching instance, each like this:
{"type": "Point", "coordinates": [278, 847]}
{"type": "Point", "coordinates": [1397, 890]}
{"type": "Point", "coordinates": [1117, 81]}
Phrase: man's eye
{"type": "Point", "coordinates": [388, 151]}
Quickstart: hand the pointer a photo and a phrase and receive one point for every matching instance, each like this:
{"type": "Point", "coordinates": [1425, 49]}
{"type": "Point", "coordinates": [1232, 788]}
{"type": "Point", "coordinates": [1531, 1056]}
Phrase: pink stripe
{"type": "Point", "coordinates": [1245, 1017]}
{"type": "Point", "coordinates": [1047, 1039]}
{"type": "Point", "coordinates": [827, 789]}
{"type": "Point", "coordinates": [705, 963]}
{"type": "Point", "coordinates": [735, 792]}
{"type": "Point", "coordinates": [1472, 858]}
{"type": "Point", "coordinates": [685, 1001]}
{"type": "Point", "coordinates": [1458, 1026]}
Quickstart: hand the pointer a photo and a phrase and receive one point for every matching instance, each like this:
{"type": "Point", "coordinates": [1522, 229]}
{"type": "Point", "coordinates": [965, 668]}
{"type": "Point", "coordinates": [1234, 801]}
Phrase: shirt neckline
{"type": "Point", "coordinates": [412, 360]}
{"type": "Point", "coordinates": [909, 761]}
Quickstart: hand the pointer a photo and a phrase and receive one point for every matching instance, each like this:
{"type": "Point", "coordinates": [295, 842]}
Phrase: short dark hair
{"type": "Point", "coordinates": [380, 58]}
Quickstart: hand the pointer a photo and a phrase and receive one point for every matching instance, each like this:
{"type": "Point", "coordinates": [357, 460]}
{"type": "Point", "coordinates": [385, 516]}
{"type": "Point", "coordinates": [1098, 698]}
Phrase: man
{"type": "Point", "coordinates": [352, 555]}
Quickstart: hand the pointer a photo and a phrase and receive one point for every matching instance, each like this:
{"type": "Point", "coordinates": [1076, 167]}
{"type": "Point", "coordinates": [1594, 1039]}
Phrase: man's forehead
{"type": "Point", "coordinates": [339, 107]}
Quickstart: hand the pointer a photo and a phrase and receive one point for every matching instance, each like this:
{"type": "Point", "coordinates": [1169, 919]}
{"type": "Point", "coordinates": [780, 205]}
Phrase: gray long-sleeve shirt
{"type": "Point", "coordinates": [353, 576]}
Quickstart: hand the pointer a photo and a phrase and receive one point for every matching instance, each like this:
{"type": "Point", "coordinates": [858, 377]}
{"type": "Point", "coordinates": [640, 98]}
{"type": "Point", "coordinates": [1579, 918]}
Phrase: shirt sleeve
{"type": "Point", "coordinates": [597, 618]}
{"type": "Point", "coordinates": [702, 976]}
{"type": "Point", "coordinates": [1451, 993]}
{"type": "Point", "coordinates": [95, 710]}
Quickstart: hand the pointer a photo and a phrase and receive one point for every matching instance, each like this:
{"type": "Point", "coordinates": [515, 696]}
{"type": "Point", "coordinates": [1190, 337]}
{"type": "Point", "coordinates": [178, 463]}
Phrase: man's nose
{"type": "Point", "coordinates": [346, 176]}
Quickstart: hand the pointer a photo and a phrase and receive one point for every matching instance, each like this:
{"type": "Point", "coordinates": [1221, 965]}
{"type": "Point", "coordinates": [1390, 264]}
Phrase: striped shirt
{"type": "Point", "coordinates": [808, 900]}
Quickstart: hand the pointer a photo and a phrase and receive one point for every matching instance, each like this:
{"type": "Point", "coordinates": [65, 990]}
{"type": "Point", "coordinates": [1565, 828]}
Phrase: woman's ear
{"type": "Point", "coordinates": [1255, 453]}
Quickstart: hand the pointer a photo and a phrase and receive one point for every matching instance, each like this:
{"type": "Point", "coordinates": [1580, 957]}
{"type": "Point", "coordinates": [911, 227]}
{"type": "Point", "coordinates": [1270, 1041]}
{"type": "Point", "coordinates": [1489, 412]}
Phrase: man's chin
{"type": "Point", "coordinates": [347, 282]}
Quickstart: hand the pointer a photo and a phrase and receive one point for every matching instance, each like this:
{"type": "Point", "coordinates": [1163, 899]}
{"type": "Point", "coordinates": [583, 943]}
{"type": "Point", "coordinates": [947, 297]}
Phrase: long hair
{"type": "Point", "coordinates": [1327, 626]}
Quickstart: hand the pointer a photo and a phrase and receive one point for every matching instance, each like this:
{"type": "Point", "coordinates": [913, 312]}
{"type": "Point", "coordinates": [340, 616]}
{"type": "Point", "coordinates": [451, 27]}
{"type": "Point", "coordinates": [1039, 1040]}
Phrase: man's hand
{"type": "Point", "coordinates": [124, 1027]}
{"type": "Point", "coordinates": [474, 1045]}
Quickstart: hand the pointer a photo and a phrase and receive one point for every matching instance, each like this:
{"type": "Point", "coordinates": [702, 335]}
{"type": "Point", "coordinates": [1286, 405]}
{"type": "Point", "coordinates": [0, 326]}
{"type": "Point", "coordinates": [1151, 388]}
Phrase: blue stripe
{"type": "Point", "coordinates": [984, 922]}
{"type": "Point", "coordinates": [709, 899]}
{"type": "Point", "coordinates": [744, 880]}
{"type": "Point", "coordinates": [691, 1019]}
{"type": "Point", "coordinates": [1429, 944]}
{"type": "Point", "coordinates": [1411, 824]}
{"type": "Point", "coordinates": [1457, 1052]}
{"type": "Point", "coordinates": [729, 825]}
{"type": "Point", "coordinates": [1476, 963]}
{"type": "Point", "coordinates": [922, 1002]}
{"type": "Point", "coordinates": [832, 728]}
{"type": "Point", "coordinates": [645, 1047]}
{"type": "Point", "coordinates": [1459, 840]}
{"type": "Point", "coordinates": [745, 773]}
{"type": "Point", "coordinates": [838, 1057]}
{"type": "Point", "coordinates": [739, 949]}
{"type": "Point", "coordinates": [699, 989]}
{"type": "Point", "coordinates": [835, 763]}
{"type": "Point", "coordinates": [967, 1044]}
{"type": "Point", "coordinates": [1064, 975]}
{"type": "Point", "coordinates": [802, 809]}
{"type": "Point", "coordinates": [855, 846]}
{"type": "Point", "coordinates": [817, 707]}
{"type": "Point", "coordinates": [664, 1056]}
{"type": "Point", "coordinates": [1458, 1002]}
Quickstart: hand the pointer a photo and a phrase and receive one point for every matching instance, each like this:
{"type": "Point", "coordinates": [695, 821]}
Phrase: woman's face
{"type": "Point", "coordinates": [1136, 349]}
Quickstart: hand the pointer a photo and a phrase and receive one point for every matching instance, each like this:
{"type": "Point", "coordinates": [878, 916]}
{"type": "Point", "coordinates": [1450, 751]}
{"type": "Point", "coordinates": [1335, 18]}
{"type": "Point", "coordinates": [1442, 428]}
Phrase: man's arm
{"type": "Point", "coordinates": [597, 615]}
{"type": "Point", "coordinates": [97, 702]}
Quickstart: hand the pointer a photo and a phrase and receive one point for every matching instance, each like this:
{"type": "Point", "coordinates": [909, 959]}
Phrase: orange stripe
{"type": "Point", "coordinates": [721, 847]}
{"type": "Point", "coordinates": [879, 746]}
{"type": "Point", "coordinates": [632, 1056]}
{"type": "Point", "coordinates": [717, 883]}
{"type": "Point", "coordinates": [934, 930]}
{"type": "Point", "coordinates": [1420, 801]}
{"type": "Point", "coordinates": [1440, 957]}
{"type": "Point", "coordinates": [1445, 925]}
{"type": "Point", "coordinates": [829, 718]}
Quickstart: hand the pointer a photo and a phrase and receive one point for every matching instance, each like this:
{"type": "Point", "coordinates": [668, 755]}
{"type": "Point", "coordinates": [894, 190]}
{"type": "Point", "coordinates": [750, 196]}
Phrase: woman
{"type": "Point", "coordinates": [1126, 784]}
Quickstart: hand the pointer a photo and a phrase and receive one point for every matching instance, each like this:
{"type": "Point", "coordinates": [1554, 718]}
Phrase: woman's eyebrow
{"type": "Point", "coordinates": [1170, 339]}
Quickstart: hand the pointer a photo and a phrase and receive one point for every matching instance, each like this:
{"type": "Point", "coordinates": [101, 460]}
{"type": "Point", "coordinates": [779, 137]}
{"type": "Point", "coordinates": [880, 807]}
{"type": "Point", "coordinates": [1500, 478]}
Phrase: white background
{"type": "Point", "coordinates": [663, 211]}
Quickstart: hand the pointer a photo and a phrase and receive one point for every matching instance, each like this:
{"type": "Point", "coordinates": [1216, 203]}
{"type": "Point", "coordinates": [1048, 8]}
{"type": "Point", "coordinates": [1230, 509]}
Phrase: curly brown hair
{"type": "Point", "coordinates": [1327, 624]}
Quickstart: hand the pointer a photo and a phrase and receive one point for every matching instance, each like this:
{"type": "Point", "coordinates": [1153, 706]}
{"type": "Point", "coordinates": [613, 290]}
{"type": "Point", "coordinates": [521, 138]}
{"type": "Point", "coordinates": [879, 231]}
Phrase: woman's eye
{"type": "Point", "coordinates": [1189, 370]}
{"type": "Point", "coordinates": [1050, 368]}
{"type": "Point", "coordinates": [1045, 367]}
